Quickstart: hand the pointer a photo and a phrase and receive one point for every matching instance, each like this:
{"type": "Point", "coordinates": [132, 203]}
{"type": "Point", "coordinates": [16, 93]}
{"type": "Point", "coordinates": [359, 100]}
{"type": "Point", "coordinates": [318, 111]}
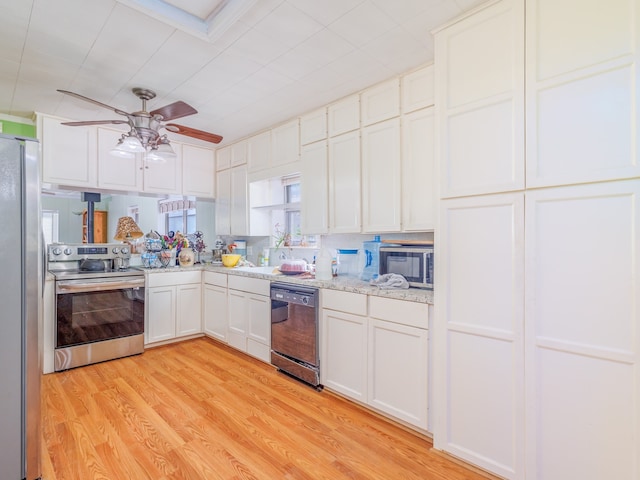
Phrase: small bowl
{"type": "Point", "coordinates": [230, 259]}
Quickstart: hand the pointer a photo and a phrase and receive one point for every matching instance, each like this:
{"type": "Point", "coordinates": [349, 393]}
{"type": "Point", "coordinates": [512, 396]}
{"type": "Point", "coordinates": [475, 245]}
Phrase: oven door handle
{"type": "Point", "coordinates": [71, 287]}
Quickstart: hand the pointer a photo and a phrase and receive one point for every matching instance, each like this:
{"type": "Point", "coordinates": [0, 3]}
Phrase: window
{"type": "Point", "coordinates": [50, 222]}
{"type": "Point", "coordinates": [291, 192]}
{"type": "Point", "coordinates": [178, 215]}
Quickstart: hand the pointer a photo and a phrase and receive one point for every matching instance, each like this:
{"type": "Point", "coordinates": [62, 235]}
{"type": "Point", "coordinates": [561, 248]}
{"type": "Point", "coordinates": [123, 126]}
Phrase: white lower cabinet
{"type": "Point", "coordinates": [249, 315]}
{"type": "Point", "coordinates": [215, 305]}
{"type": "Point", "coordinates": [174, 306]}
{"type": "Point", "coordinates": [375, 350]}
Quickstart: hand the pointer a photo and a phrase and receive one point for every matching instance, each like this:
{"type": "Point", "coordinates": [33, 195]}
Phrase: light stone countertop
{"type": "Point", "coordinates": [344, 283]}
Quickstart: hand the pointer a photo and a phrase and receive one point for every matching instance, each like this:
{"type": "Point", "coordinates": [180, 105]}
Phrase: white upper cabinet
{"type": "Point", "coordinates": [223, 158]}
{"type": "Point", "coordinates": [285, 143]}
{"type": "Point", "coordinates": [314, 187]}
{"type": "Point", "coordinates": [479, 75]}
{"type": "Point", "coordinates": [418, 89]}
{"type": "Point", "coordinates": [223, 202]}
{"type": "Point", "coordinates": [239, 218]}
{"type": "Point", "coordinates": [165, 176]}
{"type": "Point", "coordinates": [380, 102]}
{"type": "Point", "coordinates": [313, 126]}
{"type": "Point", "coordinates": [344, 116]}
{"type": "Point", "coordinates": [198, 171]}
{"type": "Point", "coordinates": [418, 171]}
{"type": "Point", "coordinates": [238, 154]}
{"type": "Point", "coordinates": [68, 153]}
{"type": "Point", "coordinates": [259, 151]}
{"type": "Point", "coordinates": [582, 91]}
{"type": "Point", "coordinates": [344, 183]}
{"type": "Point", "coordinates": [381, 177]}
{"type": "Point", "coordinates": [116, 173]}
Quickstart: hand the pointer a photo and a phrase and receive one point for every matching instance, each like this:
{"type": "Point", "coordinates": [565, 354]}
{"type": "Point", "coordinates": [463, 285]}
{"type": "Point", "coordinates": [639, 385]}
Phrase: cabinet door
{"type": "Point", "coordinates": [285, 143]}
{"type": "Point", "coordinates": [582, 91]}
{"type": "Point", "coordinates": [223, 158]}
{"type": "Point", "coordinates": [237, 332]}
{"type": "Point", "coordinates": [189, 309]}
{"type": "Point", "coordinates": [215, 311]}
{"type": "Point", "coordinates": [314, 189]}
{"type": "Point", "coordinates": [344, 183]}
{"type": "Point", "coordinates": [117, 173]}
{"type": "Point", "coordinates": [238, 153]}
{"type": "Point", "coordinates": [380, 102]}
{"type": "Point", "coordinates": [381, 177]}
{"type": "Point", "coordinates": [582, 331]}
{"type": "Point", "coordinates": [313, 126]}
{"type": "Point", "coordinates": [161, 314]}
{"type": "Point", "coordinates": [481, 101]}
{"type": "Point", "coordinates": [418, 171]}
{"type": "Point", "coordinates": [259, 327]}
{"type": "Point", "coordinates": [198, 171]}
{"type": "Point", "coordinates": [398, 371]}
{"type": "Point", "coordinates": [344, 115]}
{"type": "Point", "coordinates": [223, 202]}
{"type": "Point", "coordinates": [344, 348]}
{"type": "Point", "coordinates": [239, 219]}
{"type": "Point", "coordinates": [259, 151]}
{"type": "Point", "coordinates": [68, 153]}
{"type": "Point", "coordinates": [165, 176]}
{"type": "Point", "coordinates": [418, 89]}
{"type": "Point", "coordinates": [478, 332]}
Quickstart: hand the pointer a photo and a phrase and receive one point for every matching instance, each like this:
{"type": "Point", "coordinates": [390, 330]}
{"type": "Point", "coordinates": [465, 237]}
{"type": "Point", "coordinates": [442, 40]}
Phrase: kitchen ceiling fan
{"type": "Point", "coordinates": [144, 135]}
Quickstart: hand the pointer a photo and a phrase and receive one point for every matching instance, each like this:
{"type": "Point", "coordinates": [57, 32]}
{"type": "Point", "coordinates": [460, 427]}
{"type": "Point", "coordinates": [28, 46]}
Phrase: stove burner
{"type": "Point", "coordinates": [92, 265]}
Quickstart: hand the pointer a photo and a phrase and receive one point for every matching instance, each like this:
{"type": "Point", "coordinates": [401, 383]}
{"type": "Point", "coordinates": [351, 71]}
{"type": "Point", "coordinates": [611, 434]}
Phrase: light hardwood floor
{"type": "Point", "coordinates": [200, 410]}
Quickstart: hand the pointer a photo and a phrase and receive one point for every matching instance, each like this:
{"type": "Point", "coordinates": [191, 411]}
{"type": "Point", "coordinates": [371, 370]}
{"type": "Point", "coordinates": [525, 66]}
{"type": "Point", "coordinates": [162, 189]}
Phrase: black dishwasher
{"type": "Point", "coordinates": [294, 331]}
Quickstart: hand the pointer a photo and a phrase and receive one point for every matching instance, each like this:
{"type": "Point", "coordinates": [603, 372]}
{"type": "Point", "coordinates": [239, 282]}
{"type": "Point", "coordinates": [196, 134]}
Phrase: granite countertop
{"type": "Point", "coordinates": [344, 283]}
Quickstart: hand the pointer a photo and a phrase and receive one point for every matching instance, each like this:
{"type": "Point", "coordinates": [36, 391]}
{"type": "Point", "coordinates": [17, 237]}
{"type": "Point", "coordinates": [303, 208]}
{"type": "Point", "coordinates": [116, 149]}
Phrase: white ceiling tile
{"type": "Point", "coordinates": [325, 47]}
{"type": "Point", "coordinates": [403, 10]}
{"type": "Point", "coordinates": [325, 11]}
{"type": "Point", "coordinates": [362, 24]}
{"type": "Point", "coordinates": [421, 25]}
{"type": "Point", "coordinates": [468, 4]}
{"type": "Point", "coordinates": [13, 34]}
{"type": "Point", "coordinates": [258, 47]}
{"type": "Point", "coordinates": [295, 64]}
{"type": "Point", "coordinates": [289, 25]}
{"type": "Point", "coordinates": [400, 50]}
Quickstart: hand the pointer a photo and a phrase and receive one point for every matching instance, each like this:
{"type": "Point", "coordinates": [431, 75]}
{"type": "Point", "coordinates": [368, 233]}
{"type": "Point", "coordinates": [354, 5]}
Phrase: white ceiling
{"type": "Point", "coordinates": [243, 64]}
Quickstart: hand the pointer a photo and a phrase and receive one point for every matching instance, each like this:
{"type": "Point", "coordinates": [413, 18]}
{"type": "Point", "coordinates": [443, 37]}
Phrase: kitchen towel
{"type": "Point", "coordinates": [390, 280]}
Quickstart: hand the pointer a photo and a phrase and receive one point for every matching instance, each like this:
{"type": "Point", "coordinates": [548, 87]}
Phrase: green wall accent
{"type": "Point", "coordinates": [20, 129]}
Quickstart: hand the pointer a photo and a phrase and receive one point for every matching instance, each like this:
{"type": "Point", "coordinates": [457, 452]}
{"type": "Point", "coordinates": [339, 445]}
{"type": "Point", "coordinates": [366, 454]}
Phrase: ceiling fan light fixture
{"type": "Point", "coordinates": [130, 143]}
{"type": "Point", "coordinates": [121, 151]}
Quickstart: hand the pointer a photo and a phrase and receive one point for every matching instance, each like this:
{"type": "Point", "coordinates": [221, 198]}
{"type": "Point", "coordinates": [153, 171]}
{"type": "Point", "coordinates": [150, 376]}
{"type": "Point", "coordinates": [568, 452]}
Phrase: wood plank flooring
{"type": "Point", "coordinates": [200, 410]}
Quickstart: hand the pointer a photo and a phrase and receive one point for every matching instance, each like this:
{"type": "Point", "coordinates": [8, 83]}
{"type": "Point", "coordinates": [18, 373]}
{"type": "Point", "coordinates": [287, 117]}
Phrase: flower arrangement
{"type": "Point", "coordinates": [174, 240]}
{"type": "Point", "coordinates": [281, 236]}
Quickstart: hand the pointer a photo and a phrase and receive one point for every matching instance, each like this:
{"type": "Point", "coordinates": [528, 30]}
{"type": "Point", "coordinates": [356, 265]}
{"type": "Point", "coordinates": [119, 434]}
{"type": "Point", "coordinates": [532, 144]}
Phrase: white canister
{"type": "Point", "coordinates": [323, 265]}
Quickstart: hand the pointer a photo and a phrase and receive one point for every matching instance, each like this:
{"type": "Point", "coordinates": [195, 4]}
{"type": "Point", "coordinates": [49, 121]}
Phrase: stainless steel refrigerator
{"type": "Point", "coordinates": [21, 265]}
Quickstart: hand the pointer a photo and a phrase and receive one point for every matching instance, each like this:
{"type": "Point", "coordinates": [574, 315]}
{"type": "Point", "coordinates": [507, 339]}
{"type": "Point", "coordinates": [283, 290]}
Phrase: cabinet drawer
{"type": "Point", "coordinates": [173, 278]}
{"type": "Point", "coordinates": [251, 285]}
{"type": "Point", "coordinates": [413, 314]}
{"type": "Point", "coordinates": [214, 278]}
{"type": "Point", "coordinates": [348, 302]}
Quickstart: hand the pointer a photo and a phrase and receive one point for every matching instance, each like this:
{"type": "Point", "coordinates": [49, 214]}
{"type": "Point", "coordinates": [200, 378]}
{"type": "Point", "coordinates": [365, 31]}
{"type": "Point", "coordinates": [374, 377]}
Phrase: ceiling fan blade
{"type": "Point", "coordinates": [95, 102]}
{"type": "Point", "coordinates": [95, 122]}
{"type": "Point", "coordinates": [175, 110]}
{"type": "Point", "coordinates": [192, 132]}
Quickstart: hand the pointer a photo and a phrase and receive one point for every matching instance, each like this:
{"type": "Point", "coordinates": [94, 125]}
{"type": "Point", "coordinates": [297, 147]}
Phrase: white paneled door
{"type": "Point", "coordinates": [583, 331]}
{"type": "Point", "coordinates": [478, 332]}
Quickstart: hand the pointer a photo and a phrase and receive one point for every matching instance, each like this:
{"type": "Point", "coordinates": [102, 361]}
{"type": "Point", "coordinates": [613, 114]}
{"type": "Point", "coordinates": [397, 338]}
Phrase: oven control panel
{"type": "Point", "coordinates": [58, 252]}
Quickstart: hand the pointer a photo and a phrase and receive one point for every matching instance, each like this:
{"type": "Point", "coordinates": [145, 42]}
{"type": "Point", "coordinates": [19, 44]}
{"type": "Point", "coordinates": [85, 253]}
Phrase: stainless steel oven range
{"type": "Point", "coordinates": [99, 303]}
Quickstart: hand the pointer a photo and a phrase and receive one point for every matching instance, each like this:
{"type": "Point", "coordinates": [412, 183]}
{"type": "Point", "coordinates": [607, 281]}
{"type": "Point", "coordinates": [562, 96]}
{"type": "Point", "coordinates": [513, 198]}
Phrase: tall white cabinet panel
{"type": "Point", "coordinates": [314, 206]}
{"type": "Point", "coordinates": [479, 75]}
{"type": "Point", "coordinates": [239, 220]}
{"type": "Point", "coordinates": [198, 171]}
{"type": "Point", "coordinates": [68, 153]}
{"type": "Point", "coordinates": [344, 183]}
{"type": "Point", "coordinates": [582, 91]}
{"type": "Point", "coordinates": [418, 171]}
{"type": "Point", "coordinates": [214, 304]}
{"type": "Point", "coordinates": [164, 177]}
{"type": "Point", "coordinates": [583, 331]}
{"type": "Point", "coordinates": [381, 177]}
{"type": "Point", "coordinates": [161, 314]}
{"type": "Point", "coordinates": [238, 153]}
{"type": "Point", "coordinates": [479, 388]}
{"type": "Point", "coordinates": [223, 202]}
{"type": "Point", "coordinates": [117, 173]}
{"type": "Point", "coordinates": [189, 309]}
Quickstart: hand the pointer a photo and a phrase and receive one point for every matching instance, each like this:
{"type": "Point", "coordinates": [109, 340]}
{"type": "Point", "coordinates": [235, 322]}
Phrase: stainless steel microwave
{"type": "Point", "coordinates": [415, 263]}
